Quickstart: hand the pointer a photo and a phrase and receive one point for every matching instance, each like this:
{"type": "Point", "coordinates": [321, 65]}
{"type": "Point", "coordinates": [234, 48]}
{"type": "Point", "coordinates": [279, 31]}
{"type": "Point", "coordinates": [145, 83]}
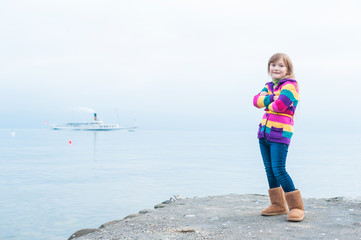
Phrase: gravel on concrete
{"type": "Point", "coordinates": [233, 217]}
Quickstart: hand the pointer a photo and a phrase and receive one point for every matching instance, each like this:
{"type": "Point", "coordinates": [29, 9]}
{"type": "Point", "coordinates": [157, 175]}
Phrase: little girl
{"type": "Point", "coordinates": [279, 98]}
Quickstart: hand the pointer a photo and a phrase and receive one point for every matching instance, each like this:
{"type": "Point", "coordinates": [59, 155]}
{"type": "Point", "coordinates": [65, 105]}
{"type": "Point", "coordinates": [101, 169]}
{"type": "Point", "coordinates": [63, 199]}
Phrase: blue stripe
{"type": "Point", "coordinates": [288, 94]}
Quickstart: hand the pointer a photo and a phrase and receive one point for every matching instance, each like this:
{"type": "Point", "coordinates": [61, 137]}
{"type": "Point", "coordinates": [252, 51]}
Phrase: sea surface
{"type": "Point", "coordinates": [53, 183]}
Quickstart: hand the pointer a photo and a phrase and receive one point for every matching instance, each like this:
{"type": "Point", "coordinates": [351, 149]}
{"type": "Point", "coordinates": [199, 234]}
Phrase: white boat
{"type": "Point", "coordinates": [96, 125]}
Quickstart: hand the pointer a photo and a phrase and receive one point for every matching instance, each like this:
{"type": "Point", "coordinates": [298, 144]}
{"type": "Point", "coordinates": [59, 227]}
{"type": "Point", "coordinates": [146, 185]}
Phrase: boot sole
{"type": "Point", "coordinates": [294, 219]}
{"type": "Point", "coordinates": [273, 214]}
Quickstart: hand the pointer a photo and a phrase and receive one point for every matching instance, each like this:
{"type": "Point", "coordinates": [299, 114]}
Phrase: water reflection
{"type": "Point", "coordinates": [94, 143]}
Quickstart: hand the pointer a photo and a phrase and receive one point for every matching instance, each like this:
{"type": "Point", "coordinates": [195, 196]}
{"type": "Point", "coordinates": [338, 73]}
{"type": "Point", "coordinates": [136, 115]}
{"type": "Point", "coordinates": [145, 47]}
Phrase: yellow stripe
{"type": "Point", "coordinates": [282, 114]}
{"type": "Point", "coordinates": [286, 127]}
{"type": "Point", "coordinates": [290, 87]}
{"type": "Point", "coordinates": [270, 108]}
{"type": "Point", "coordinates": [260, 102]}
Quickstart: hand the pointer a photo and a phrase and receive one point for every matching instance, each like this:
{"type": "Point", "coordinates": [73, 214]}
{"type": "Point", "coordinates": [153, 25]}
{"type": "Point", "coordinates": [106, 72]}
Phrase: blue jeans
{"type": "Point", "coordinates": [274, 159]}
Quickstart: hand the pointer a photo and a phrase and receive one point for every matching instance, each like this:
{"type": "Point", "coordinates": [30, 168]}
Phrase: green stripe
{"type": "Point", "coordinates": [268, 130]}
{"type": "Point", "coordinates": [286, 134]}
{"type": "Point", "coordinates": [266, 100]}
{"type": "Point", "coordinates": [288, 94]}
{"type": "Point", "coordinates": [295, 103]}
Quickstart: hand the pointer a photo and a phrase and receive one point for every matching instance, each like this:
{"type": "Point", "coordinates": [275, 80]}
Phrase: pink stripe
{"type": "Point", "coordinates": [280, 106]}
{"type": "Point", "coordinates": [255, 98]}
{"type": "Point", "coordinates": [281, 119]}
{"type": "Point", "coordinates": [274, 107]}
{"type": "Point", "coordinates": [289, 112]}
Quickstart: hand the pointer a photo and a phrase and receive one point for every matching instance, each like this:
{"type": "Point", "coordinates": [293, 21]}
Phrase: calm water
{"type": "Point", "coordinates": [49, 188]}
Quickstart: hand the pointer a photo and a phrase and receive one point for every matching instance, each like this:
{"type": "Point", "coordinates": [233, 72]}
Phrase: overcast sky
{"type": "Point", "coordinates": [189, 64]}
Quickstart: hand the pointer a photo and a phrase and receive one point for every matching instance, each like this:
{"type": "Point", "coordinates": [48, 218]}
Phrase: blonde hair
{"type": "Point", "coordinates": [287, 61]}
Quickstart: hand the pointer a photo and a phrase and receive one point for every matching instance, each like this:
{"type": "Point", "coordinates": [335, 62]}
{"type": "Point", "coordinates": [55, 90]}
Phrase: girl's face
{"type": "Point", "coordinates": [278, 69]}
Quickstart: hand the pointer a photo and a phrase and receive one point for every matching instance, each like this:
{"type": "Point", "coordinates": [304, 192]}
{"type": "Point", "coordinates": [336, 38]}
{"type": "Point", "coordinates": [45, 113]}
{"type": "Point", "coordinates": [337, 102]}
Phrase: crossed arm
{"type": "Point", "coordinates": [265, 93]}
{"type": "Point", "coordinates": [288, 97]}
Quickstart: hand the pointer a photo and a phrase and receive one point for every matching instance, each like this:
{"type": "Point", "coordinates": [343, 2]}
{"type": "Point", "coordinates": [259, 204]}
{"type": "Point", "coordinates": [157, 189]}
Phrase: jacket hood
{"type": "Point", "coordinates": [286, 80]}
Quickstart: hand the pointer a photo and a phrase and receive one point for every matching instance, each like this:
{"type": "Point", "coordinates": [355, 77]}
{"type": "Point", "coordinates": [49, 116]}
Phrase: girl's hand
{"type": "Point", "coordinates": [276, 97]}
{"type": "Point", "coordinates": [263, 94]}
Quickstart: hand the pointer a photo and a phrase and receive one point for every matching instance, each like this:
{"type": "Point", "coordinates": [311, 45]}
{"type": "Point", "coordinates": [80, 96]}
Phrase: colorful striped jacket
{"type": "Point", "coordinates": [277, 123]}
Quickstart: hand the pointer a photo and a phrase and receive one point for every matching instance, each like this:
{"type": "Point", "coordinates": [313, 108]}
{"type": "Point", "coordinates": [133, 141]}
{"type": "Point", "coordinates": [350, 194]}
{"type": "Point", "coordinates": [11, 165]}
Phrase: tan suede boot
{"type": "Point", "coordinates": [295, 205]}
{"type": "Point", "coordinates": [278, 203]}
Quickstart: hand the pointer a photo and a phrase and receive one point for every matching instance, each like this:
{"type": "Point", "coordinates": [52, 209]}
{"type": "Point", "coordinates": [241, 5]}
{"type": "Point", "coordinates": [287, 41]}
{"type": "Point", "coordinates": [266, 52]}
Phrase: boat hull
{"type": "Point", "coordinates": [90, 127]}
{"type": "Point", "coordinates": [96, 125]}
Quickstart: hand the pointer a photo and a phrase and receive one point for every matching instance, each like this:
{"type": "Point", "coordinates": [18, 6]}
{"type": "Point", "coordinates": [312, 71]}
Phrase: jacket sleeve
{"type": "Point", "coordinates": [288, 97]}
{"type": "Point", "coordinates": [262, 101]}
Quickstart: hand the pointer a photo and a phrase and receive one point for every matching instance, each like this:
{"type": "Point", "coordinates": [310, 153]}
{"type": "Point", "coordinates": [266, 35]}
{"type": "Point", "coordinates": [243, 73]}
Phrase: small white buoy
{"type": "Point", "coordinates": [12, 133]}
